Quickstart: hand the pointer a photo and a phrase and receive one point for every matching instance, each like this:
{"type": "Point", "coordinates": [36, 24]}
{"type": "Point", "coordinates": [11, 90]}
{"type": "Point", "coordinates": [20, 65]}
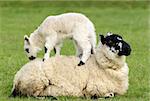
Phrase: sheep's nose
{"type": "Point", "coordinates": [32, 58]}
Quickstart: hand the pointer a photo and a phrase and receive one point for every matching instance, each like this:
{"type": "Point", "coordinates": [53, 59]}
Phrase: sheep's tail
{"type": "Point", "coordinates": [15, 91]}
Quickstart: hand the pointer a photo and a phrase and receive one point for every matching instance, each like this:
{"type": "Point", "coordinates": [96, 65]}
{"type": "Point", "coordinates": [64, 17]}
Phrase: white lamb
{"type": "Point", "coordinates": [104, 74]}
{"type": "Point", "coordinates": [54, 29]}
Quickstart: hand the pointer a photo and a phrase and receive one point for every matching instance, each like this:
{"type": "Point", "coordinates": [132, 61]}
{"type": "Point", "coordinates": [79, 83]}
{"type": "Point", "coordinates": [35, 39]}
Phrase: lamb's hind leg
{"type": "Point", "coordinates": [78, 50]}
{"type": "Point", "coordinates": [49, 45]}
{"type": "Point", "coordinates": [57, 49]}
{"type": "Point", "coordinates": [86, 48]}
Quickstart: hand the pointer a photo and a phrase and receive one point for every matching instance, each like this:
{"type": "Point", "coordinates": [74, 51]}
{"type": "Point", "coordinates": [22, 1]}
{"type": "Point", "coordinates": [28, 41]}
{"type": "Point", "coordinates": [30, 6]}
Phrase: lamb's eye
{"type": "Point", "coordinates": [27, 50]}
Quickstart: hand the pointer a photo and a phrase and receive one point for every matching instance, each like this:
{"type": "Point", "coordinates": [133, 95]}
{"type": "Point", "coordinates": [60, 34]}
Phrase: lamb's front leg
{"type": "Point", "coordinates": [47, 52]}
{"type": "Point", "coordinates": [49, 45]}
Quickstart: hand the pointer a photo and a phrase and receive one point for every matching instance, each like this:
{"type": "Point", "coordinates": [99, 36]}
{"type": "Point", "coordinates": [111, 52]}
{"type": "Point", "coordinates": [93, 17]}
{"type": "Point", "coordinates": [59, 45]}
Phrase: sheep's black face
{"type": "Point", "coordinates": [116, 44]}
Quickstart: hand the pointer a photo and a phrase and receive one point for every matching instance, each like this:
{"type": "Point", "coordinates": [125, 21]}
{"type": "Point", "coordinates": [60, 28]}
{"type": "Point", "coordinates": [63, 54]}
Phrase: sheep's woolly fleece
{"type": "Point", "coordinates": [60, 76]}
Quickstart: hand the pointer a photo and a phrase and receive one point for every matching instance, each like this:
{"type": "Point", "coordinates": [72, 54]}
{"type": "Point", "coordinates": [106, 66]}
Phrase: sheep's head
{"type": "Point", "coordinates": [29, 48]}
{"type": "Point", "coordinates": [116, 44]}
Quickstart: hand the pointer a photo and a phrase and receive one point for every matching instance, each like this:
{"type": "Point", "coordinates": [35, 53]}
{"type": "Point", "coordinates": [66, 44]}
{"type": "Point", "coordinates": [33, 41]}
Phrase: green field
{"type": "Point", "coordinates": [129, 19]}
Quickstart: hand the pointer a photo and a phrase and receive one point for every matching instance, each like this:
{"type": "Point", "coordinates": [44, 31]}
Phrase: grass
{"type": "Point", "coordinates": [129, 19]}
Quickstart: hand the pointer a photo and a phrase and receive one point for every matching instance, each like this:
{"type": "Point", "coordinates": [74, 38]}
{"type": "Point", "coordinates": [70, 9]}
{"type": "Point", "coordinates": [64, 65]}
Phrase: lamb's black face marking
{"type": "Point", "coordinates": [32, 58]}
{"type": "Point", "coordinates": [45, 49]}
{"type": "Point", "coordinates": [26, 39]}
{"type": "Point", "coordinates": [116, 44]}
{"type": "Point", "coordinates": [81, 63]}
{"type": "Point", "coordinates": [27, 50]}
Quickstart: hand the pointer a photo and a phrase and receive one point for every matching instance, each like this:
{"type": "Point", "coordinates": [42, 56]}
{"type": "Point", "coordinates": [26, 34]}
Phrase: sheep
{"type": "Point", "coordinates": [104, 75]}
{"type": "Point", "coordinates": [54, 29]}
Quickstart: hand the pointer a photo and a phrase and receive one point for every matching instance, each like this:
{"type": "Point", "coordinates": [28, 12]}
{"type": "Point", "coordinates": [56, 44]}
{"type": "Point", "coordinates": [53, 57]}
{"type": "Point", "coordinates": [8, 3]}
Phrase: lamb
{"type": "Point", "coordinates": [54, 29]}
{"type": "Point", "coordinates": [104, 75]}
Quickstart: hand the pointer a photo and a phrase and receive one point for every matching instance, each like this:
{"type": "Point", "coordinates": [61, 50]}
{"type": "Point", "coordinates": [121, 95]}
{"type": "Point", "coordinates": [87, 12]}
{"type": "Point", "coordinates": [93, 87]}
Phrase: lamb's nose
{"type": "Point", "coordinates": [32, 58]}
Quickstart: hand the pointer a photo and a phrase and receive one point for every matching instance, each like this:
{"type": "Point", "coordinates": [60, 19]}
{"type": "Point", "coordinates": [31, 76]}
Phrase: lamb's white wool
{"type": "Point", "coordinates": [105, 72]}
{"type": "Point", "coordinates": [54, 29]}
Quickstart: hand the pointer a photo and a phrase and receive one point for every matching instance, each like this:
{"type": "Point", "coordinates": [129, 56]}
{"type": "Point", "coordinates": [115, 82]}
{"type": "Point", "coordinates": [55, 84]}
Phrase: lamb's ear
{"type": "Point", "coordinates": [102, 39]}
{"type": "Point", "coordinates": [26, 39]}
{"type": "Point", "coordinates": [38, 49]}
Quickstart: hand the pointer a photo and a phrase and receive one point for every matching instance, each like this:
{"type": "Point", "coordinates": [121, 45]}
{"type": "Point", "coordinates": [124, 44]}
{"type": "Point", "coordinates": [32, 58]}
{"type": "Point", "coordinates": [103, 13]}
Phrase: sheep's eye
{"type": "Point", "coordinates": [111, 43]}
{"type": "Point", "coordinates": [27, 50]}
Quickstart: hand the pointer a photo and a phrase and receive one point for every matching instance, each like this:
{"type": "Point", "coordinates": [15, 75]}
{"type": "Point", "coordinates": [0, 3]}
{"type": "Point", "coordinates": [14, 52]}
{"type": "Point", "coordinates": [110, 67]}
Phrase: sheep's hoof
{"type": "Point", "coordinates": [94, 97]}
{"type": "Point", "coordinates": [40, 98]}
{"type": "Point", "coordinates": [110, 95]}
{"type": "Point", "coordinates": [43, 59]}
{"type": "Point", "coordinates": [52, 98]}
{"type": "Point", "coordinates": [81, 63]}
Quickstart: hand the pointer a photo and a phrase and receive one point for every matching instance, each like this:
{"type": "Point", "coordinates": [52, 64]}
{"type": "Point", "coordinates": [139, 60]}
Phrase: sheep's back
{"type": "Point", "coordinates": [65, 69]}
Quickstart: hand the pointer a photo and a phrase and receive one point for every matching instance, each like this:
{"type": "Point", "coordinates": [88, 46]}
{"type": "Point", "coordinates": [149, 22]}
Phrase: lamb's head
{"type": "Point", "coordinates": [30, 49]}
{"type": "Point", "coordinates": [116, 44]}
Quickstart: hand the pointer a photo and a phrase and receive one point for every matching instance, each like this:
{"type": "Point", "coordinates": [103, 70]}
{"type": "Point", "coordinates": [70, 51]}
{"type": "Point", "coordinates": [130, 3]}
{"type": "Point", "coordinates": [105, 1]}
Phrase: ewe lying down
{"type": "Point", "coordinates": [104, 74]}
{"type": "Point", "coordinates": [54, 29]}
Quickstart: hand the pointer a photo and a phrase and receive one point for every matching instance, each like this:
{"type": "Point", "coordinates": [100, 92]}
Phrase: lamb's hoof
{"type": "Point", "coordinates": [110, 95]}
{"type": "Point", "coordinates": [81, 63]}
{"type": "Point", "coordinates": [43, 60]}
{"type": "Point", "coordinates": [32, 58]}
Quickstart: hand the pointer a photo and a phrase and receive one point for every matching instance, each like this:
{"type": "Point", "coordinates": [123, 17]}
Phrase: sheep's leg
{"type": "Point", "coordinates": [58, 49]}
{"type": "Point", "coordinates": [109, 95]}
{"type": "Point", "coordinates": [63, 89]}
{"type": "Point", "coordinates": [86, 48]}
{"type": "Point", "coordinates": [49, 97]}
{"type": "Point", "coordinates": [49, 45]}
{"type": "Point", "coordinates": [94, 97]}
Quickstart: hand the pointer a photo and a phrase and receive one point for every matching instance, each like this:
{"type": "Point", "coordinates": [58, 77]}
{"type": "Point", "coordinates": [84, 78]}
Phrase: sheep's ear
{"type": "Point", "coordinates": [109, 33]}
{"type": "Point", "coordinates": [26, 39]}
{"type": "Point", "coordinates": [102, 39]}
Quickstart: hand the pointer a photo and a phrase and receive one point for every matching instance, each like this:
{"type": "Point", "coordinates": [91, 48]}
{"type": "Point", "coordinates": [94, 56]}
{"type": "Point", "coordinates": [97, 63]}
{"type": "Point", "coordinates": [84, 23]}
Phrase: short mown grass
{"type": "Point", "coordinates": [129, 19]}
